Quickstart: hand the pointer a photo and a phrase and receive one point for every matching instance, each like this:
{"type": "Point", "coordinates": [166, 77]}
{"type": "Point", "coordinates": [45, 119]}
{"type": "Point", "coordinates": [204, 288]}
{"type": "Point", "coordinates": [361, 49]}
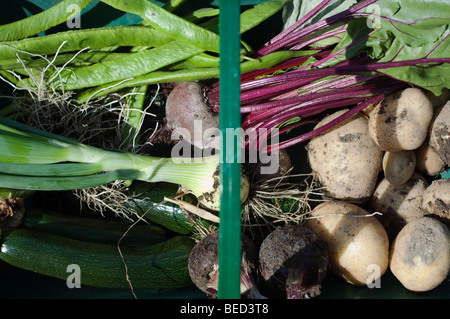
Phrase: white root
{"type": "Point", "coordinates": [102, 122]}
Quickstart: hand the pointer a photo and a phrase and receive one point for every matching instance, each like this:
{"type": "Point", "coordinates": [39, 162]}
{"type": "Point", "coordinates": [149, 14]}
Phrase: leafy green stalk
{"type": "Point", "coordinates": [35, 160]}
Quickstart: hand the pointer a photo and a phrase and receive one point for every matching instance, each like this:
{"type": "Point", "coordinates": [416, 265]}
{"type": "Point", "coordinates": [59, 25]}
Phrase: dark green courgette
{"type": "Point", "coordinates": [148, 199]}
{"type": "Point", "coordinates": [91, 229]}
{"type": "Point", "coordinates": [163, 265]}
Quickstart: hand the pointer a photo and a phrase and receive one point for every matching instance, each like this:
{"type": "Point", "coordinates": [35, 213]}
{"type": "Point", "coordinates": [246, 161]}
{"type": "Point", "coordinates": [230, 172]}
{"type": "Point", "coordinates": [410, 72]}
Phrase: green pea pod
{"type": "Point", "coordinates": [75, 40]}
{"type": "Point", "coordinates": [169, 24]}
{"type": "Point", "coordinates": [42, 21]}
{"type": "Point", "coordinates": [129, 67]}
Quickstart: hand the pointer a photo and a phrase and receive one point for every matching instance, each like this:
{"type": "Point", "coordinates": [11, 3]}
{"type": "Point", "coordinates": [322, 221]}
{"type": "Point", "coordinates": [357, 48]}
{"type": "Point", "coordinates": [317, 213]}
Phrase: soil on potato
{"type": "Point", "coordinates": [424, 244]}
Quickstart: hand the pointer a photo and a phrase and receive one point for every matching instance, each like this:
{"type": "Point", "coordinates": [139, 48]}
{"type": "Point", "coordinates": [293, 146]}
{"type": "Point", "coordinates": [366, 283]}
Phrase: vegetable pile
{"type": "Point", "coordinates": [350, 101]}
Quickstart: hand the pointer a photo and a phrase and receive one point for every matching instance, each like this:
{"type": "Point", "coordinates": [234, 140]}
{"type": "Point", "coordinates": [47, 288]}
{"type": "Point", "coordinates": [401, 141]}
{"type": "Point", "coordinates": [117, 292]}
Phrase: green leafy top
{"type": "Point", "coordinates": [392, 31]}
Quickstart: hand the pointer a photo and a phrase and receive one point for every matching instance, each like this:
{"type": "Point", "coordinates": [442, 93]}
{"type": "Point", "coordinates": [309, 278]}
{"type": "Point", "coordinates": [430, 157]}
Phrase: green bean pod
{"type": "Point", "coordinates": [133, 65]}
{"type": "Point", "coordinates": [190, 74]}
{"type": "Point", "coordinates": [169, 23]}
{"type": "Point", "coordinates": [42, 21]}
{"type": "Point", "coordinates": [75, 40]}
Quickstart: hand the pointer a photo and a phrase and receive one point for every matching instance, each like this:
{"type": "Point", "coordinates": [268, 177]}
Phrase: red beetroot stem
{"type": "Point", "coordinates": [344, 69]}
{"type": "Point", "coordinates": [294, 37]}
{"type": "Point", "coordinates": [330, 92]}
{"type": "Point", "coordinates": [308, 107]}
{"type": "Point", "coordinates": [329, 34]}
{"type": "Point", "coordinates": [316, 106]}
{"type": "Point", "coordinates": [271, 91]}
{"type": "Point", "coordinates": [325, 127]}
{"type": "Point", "coordinates": [213, 91]}
{"type": "Point", "coordinates": [270, 126]}
{"type": "Point", "coordinates": [329, 83]}
{"type": "Point", "coordinates": [282, 90]}
{"type": "Point", "coordinates": [302, 73]}
{"type": "Point", "coordinates": [299, 22]}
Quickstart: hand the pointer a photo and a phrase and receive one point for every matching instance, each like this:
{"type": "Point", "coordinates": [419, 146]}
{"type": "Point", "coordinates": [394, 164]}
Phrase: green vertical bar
{"type": "Point", "coordinates": [230, 168]}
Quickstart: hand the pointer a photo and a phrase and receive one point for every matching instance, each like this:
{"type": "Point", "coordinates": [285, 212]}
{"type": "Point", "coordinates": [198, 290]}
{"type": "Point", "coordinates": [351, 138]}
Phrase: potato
{"type": "Point", "coordinates": [436, 200]}
{"type": "Point", "coordinates": [428, 161]}
{"type": "Point", "coordinates": [398, 204]}
{"type": "Point", "coordinates": [345, 159]}
{"type": "Point", "coordinates": [420, 254]}
{"type": "Point", "coordinates": [400, 122]}
{"type": "Point", "coordinates": [399, 166]}
{"type": "Point", "coordinates": [355, 243]}
{"type": "Point", "coordinates": [440, 133]}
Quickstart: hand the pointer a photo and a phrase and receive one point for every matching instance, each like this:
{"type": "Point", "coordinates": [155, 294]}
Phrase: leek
{"type": "Point", "coordinates": [34, 160]}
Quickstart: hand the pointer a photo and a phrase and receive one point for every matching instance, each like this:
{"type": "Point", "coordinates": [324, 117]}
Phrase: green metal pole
{"type": "Point", "coordinates": [230, 168]}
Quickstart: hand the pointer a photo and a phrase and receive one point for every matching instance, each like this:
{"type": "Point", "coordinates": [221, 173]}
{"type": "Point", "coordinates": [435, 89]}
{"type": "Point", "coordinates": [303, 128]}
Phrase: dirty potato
{"type": "Point", "coordinates": [420, 254]}
{"type": "Point", "coordinates": [345, 159]}
{"type": "Point", "coordinates": [401, 120]}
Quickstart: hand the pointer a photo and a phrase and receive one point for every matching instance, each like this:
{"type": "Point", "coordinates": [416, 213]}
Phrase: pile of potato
{"type": "Point", "coordinates": [387, 205]}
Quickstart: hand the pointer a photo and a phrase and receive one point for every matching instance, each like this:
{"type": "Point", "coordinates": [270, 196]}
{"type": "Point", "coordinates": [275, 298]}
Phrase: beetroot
{"type": "Point", "coordinates": [294, 260]}
{"type": "Point", "coordinates": [189, 115]}
{"type": "Point", "coordinates": [204, 266]}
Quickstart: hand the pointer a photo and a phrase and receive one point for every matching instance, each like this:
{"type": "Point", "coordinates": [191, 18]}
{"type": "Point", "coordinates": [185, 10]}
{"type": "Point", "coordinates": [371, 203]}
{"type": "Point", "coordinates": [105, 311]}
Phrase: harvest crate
{"type": "Point", "coordinates": [18, 283]}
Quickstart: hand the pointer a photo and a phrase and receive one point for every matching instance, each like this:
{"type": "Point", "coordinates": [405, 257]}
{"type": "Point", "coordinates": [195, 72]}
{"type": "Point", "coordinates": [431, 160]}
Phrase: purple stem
{"type": "Point", "coordinates": [320, 130]}
{"type": "Point", "coordinates": [299, 22]}
{"type": "Point", "coordinates": [318, 38]}
{"type": "Point", "coordinates": [296, 36]}
{"type": "Point", "coordinates": [335, 54]}
{"type": "Point", "coordinates": [344, 69]}
{"type": "Point", "coordinates": [333, 83]}
{"type": "Point", "coordinates": [316, 106]}
{"type": "Point", "coordinates": [275, 105]}
{"type": "Point", "coordinates": [271, 91]}
{"type": "Point", "coordinates": [293, 75]}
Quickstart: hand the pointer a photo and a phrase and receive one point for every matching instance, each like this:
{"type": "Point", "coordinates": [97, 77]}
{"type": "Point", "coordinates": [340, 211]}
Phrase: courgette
{"type": "Point", "coordinates": [147, 199]}
{"type": "Point", "coordinates": [92, 229]}
{"type": "Point", "coordinates": [162, 265]}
